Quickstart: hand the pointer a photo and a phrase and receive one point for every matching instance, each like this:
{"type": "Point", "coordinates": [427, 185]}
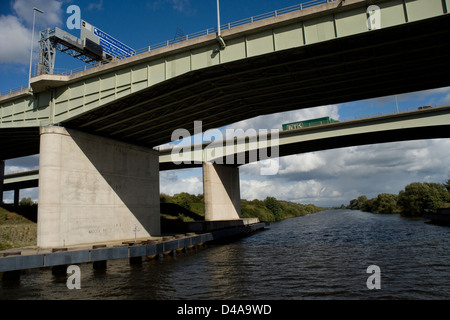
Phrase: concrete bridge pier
{"type": "Point", "coordinates": [2, 176]}
{"type": "Point", "coordinates": [16, 199]}
{"type": "Point", "coordinates": [221, 190]}
{"type": "Point", "coordinates": [93, 189]}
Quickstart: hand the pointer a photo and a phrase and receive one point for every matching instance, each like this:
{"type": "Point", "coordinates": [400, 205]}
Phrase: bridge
{"type": "Point", "coordinates": [412, 125]}
{"type": "Point", "coordinates": [95, 130]}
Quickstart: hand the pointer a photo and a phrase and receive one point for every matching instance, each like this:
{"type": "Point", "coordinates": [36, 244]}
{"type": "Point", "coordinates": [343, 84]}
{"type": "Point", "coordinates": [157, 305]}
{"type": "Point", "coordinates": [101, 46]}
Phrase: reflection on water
{"type": "Point", "coordinates": [319, 256]}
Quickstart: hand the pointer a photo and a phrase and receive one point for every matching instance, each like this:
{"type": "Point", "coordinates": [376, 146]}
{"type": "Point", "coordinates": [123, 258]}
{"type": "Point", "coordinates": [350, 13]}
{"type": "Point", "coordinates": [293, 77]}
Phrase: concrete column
{"type": "Point", "coordinates": [93, 189]}
{"type": "Point", "coordinates": [16, 199]}
{"type": "Point", "coordinates": [222, 194]}
{"type": "Point", "coordinates": [2, 176]}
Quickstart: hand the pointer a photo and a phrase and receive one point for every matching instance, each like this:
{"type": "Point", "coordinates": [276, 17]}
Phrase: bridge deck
{"type": "Point", "coordinates": [319, 56]}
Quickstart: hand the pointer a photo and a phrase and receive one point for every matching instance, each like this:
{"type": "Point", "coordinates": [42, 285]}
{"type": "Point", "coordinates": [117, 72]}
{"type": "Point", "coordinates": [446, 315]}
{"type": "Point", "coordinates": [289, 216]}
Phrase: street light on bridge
{"type": "Point", "coordinates": [218, 18]}
{"type": "Point", "coordinates": [32, 40]}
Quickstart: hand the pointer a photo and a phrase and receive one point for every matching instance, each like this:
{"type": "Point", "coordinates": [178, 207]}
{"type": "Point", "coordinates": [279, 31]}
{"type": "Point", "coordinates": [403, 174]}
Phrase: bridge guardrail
{"type": "Point", "coordinates": [195, 35]}
{"type": "Point", "coordinates": [209, 31]}
{"type": "Point", "coordinates": [22, 87]}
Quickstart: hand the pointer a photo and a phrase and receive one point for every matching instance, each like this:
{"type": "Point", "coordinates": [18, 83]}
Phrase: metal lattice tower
{"type": "Point", "coordinates": [51, 40]}
{"type": "Point", "coordinates": [47, 52]}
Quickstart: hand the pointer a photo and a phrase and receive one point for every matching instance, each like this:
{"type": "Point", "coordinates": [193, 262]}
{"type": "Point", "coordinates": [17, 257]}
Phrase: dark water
{"type": "Point", "coordinates": [319, 256]}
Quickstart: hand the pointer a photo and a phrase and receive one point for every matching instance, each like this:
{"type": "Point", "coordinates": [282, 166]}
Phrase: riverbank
{"type": "Point", "coordinates": [187, 208]}
{"type": "Point", "coordinates": [180, 213]}
{"type": "Point", "coordinates": [16, 231]}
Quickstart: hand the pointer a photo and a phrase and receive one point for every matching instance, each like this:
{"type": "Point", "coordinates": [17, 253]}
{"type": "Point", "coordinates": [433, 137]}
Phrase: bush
{"type": "Point", "coordinates": [26, 202]}
{"type": "Point", "coordinates": [274, 206]}
{"type": "Point", "coordinates": [383, 203]}
{"type": "Point", "coordinates": [420, 198]}
{"type": "Point", "coordinates": [358, 204]}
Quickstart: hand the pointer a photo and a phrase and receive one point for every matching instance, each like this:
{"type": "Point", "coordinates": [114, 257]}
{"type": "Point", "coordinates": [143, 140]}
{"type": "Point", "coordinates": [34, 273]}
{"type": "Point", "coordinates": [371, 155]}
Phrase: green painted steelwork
{"type": "Point", "coordinates": [308, 123]}
{"type": "Point", "coordinates": [121, 88]}
{"type": "Point", "coordinates": [103, 86]}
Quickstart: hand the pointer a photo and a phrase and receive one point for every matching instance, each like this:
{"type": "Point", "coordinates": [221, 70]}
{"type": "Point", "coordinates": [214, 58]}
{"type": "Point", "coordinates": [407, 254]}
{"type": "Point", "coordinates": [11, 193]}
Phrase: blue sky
{"type": "Point", "coordinates": [324, 178]}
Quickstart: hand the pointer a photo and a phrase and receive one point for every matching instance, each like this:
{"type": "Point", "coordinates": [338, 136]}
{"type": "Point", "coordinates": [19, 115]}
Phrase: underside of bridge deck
{"type": "Point", "coordinates": [406, 58]}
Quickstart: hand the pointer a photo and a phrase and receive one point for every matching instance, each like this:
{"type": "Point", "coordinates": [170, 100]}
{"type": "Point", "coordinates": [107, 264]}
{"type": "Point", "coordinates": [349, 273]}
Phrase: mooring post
{"type": "Point", "coordinates": [101, 264]}
{"type": "Point", "coordinates": [13, 275]}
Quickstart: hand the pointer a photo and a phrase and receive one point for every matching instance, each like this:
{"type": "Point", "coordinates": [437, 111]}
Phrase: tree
{"type": "Point", "coordinates": [369, 205]}
{"type": "Point", "coordinates": [182, 199]}
{"type": "Point", "coordinates": [419, 198]}
{"type": "Point", "coordinates": [26, 202]}
{"type": "Point", "coordinates": [358, 204]}
{"type": "Point", "coordinates": [164, 198]}
{"type": "Point", "coordinates": [385, 203]}
{"type": "Point", "coordinates": [274, 206]}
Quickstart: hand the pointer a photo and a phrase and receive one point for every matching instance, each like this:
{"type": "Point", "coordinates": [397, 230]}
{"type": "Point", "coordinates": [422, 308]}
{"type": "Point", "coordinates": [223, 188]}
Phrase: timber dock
{"type": "Point", "coordinates": [13, 261]}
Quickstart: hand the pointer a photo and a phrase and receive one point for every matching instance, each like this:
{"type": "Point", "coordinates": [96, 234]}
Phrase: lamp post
{"type": "Point", "coordinates": [218, 18]}
{"type": "Point", "coordinates": [32, 40]}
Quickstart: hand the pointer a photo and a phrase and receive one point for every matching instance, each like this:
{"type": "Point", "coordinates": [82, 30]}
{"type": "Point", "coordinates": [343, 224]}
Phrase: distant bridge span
{"type": "Point", "coordinates": [433, 123]}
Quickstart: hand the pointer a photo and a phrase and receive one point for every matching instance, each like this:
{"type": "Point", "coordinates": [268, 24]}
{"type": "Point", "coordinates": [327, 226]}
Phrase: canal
{"type": "Point", "coordinates": [319, 256]}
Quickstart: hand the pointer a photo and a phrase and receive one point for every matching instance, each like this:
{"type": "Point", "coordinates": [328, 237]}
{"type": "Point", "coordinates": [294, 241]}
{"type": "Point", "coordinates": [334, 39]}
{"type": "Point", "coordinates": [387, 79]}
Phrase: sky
{"type": "Point", "coordinates": [325, 178]}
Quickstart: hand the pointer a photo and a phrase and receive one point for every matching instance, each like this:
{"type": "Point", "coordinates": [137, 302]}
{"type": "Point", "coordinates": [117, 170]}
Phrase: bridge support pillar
{"type": "Point", "coordinates": [2, 176]}
{"type": "Point", "coordinates": [16, 199]}
{"type": "Point", "coordinates": [221, 192]}
{"type": "Point", "coordinates": [93, 189]}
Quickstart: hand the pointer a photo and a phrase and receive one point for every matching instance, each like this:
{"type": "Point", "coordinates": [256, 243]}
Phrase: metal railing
{"type": "Point", "coordinates": [195, 35]}
{"type": "Point", "coordinates": [22, 87]}
{"type": "Point", "coordinates": [206, 32]}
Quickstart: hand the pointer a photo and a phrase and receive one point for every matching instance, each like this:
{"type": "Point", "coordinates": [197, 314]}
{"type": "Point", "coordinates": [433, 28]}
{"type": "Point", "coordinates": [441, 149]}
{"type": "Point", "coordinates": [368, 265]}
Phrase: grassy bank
{"type": "Point", "coordinates": [16, 231]}
{"type": "Point", "coordinates": [190, 207]}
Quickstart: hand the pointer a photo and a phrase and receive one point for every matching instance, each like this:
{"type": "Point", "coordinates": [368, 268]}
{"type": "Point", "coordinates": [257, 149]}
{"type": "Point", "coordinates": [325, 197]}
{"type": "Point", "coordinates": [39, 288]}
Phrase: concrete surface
{"type": "Point", "coordinates": [93, 189]}
{"type": "Point", "coordinates": [222, 194]}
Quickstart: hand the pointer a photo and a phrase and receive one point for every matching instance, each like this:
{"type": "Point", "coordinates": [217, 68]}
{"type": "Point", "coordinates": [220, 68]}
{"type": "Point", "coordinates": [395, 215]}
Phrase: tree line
{"type": "Point", "coordinates": [191, 207]}
{"type": "Point", "coordinates": [415, 200]}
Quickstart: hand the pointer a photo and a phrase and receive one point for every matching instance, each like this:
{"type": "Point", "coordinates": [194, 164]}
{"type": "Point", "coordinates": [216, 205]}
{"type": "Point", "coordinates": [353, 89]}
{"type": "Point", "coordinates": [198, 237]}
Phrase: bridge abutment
{"type": "Point", "coordinates": [221, 192]}
{"type": "Point", "coordinates": [93, 189]}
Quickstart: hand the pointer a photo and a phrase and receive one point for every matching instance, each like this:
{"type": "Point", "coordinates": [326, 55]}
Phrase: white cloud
{"type": "Point", "coordinates": [96, 5]}
{"type": "Point", "coordinates": [52, 16]}
{"type": "Point", "coordinates": [16, 29]}
{"type": "Point", "coordinates": [15, 39]}
{"type": "Point", "coordinates": [183, 6]}
{"type": "Point", "coordinates": [173, 182]}
{"type": "Point", "coordinates": [275, 121]}
{"type": "Point", "coordinates": [333, 177]}
{"type": "Point", "coordinates": [427, 95]}
{"type": "Point", "coordinates": [22, 164]}
{"type": "Point", "coordinates": [300, 191]}
{"type": "Point", "coordinates": [301, 163]}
